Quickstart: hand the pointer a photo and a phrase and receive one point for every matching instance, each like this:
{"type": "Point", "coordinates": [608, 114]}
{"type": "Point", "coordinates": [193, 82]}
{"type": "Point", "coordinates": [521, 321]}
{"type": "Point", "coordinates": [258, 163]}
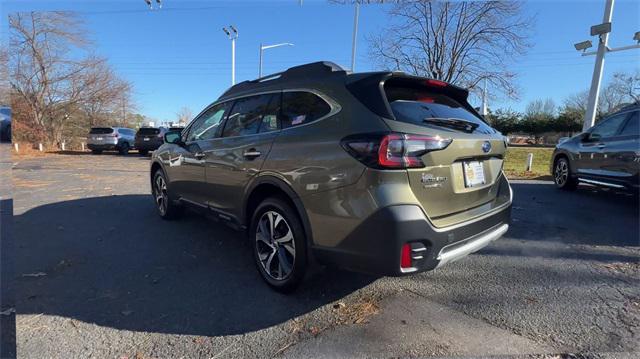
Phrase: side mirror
{"type": "Point", "coordinates": [173, 137]}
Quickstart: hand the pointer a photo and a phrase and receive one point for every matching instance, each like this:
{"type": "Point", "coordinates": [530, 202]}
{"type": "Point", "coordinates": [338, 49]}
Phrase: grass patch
{"type": "Point", "coordinates": [516, 162]}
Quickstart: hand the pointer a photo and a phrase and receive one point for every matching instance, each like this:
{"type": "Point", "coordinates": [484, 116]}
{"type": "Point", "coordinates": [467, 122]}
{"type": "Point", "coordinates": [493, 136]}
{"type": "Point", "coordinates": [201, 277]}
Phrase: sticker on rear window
{"type": "Point", "coordinates": [298, 120]}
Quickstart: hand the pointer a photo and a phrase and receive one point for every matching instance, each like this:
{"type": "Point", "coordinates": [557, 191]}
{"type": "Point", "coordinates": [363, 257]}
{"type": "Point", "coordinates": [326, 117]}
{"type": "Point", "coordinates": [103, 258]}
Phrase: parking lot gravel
{"type": "Point", "coordinates": [99, 274]}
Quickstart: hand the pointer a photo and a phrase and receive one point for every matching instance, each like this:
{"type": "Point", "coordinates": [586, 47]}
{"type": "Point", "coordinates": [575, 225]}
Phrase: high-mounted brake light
{"type": "Point", "coordinates": [436, 83]}
{"type": "Point", "coordinates": [393, 150]}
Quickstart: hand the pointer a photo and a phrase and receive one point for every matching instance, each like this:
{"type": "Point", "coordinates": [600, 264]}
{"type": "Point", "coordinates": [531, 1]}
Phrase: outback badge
{"type": "Point", "coordinates": [430, 181]}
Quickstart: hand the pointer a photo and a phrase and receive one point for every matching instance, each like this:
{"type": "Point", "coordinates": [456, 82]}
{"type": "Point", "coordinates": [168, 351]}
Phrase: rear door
{"type": "Point", "coordinates": [465, 174]}
{"type": "Point", "coordinates": [592, 150]}
{"type": "Point", "coordinates": [238, 154]}
{"type": "Point", "coordinates": [619, 162]}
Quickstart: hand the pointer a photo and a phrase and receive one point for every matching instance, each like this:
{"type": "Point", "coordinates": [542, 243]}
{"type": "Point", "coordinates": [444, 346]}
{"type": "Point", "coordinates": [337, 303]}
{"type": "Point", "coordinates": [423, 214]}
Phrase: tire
{"type": "Point", "coordinates": [562, 175]}
{"type": "Point", "coordinates": [124, 148]}
{"type": "Point", "coordinates": [143, 152]}
{"type": "Point", "coordinates": [290, 255]}
{"type": "Point", "coordinates": [167, 209]}
{"type": "Point", "coordinates": [96, 152]}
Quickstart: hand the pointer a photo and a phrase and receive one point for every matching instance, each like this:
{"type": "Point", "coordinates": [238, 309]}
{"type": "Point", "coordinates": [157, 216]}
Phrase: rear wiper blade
{"type": "Point", "coordinates": [454, 123]}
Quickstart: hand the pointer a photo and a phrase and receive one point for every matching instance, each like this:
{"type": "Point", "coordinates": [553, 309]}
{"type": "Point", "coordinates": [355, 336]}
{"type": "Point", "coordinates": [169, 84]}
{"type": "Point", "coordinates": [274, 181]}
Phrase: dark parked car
{"type": "Point", "coordinates": [379, 172]}
{"type": "Point", "coordinates": [111, 139]}
{"type": "Point", "coordinates": [150, 138]}
{"type": "Point", "coordinates": [5, 124]}
{"type": "Point", "coordinates": [608, 154]}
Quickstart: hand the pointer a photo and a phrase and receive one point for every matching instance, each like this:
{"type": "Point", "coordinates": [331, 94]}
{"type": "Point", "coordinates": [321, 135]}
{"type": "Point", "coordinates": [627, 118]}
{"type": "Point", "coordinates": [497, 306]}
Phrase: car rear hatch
{"type": "Point", "coordinates": [99, 135]}
{"type": "Point", "coordinates": [462, 163]}
{"type": "Point", "coordinates": [147, 134]}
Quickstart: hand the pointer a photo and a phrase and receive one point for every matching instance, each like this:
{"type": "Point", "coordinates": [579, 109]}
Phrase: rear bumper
{"type": "Point", "coordinates": [102, 147]}
{"type": "Point", "coordinates": [375, 246]}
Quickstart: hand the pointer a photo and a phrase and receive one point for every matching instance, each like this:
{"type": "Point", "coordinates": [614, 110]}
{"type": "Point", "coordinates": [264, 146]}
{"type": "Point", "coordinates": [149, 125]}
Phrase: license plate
{"type": "Point", "coordinates": [99, 138]}
{"type": "Point", "coordinates": [473, 173]}
{"type": "Point", "coordinates": [146, 139]}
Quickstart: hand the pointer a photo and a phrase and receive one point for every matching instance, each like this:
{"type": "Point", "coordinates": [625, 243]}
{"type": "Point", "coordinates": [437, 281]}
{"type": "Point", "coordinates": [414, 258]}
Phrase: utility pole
{"type": "Point", "coordinates": [233, 35]}
{"type": "Point", "coordinates": [354, 40]}
{"type": "Point", "coordinates": [596, 79]}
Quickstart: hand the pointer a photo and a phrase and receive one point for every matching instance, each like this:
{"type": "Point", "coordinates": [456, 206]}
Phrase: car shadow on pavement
{"type": "Point", "coordinates": [588, 215]}
{"type": "Point", "coordinates": [113, 262]}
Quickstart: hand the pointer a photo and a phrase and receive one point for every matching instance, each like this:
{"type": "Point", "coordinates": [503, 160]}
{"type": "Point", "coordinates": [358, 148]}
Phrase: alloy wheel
{"type": "Point", "coordinates": [275, 245]}
{"type": "Point", "coordinates": [161, 194]}
{"type": "Point", "coordinates": [561, 172]}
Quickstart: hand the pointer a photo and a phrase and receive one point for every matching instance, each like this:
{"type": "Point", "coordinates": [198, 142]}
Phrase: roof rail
{"type": "Point", "coordinates": [319, 68]}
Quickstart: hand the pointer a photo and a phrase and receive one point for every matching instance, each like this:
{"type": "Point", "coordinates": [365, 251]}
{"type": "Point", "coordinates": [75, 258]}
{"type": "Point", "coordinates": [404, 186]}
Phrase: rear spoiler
{"type": "Point", "coordinates": [369, 89]}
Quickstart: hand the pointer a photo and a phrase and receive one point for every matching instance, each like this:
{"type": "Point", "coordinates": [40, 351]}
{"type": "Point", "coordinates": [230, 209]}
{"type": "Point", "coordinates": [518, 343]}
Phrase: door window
{"type": "Point", "coordinates": [633, 125]}
{"type": "Point", "coordinates": [609, 127]}
{"type": "Point", "coordinates": [206, 126]}
{"type": "Point", "coordinates": [300, 107]}
{"type": "Point", "coordinates": [246, 116]}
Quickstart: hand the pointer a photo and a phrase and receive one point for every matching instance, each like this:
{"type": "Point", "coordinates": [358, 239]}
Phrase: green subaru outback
{"type": "Point", "coordinates": [379, 172]}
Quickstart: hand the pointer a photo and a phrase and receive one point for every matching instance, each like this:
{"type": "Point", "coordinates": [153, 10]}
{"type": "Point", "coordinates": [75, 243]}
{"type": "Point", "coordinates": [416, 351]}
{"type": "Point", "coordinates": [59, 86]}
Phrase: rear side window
{"type": "Point", "coordinates": [426, 108]}
{"type": "Point", "coordinates": [148, 131]}
{"type": "Point", "coordinates": [101, 130]}
{"type": "Point", "coordinates": [633, 125]}
{"type": "Point", "coordinates": [246, 116]}
{"type": "Point", "coordinates": [301, 107]}
{"type": "Point", "coordinates": [609, 127]}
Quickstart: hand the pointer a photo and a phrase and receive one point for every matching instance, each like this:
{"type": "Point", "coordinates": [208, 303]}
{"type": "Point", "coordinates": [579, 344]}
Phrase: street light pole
{"type": "Point", "coordinates": [265, 47]}
{"type": "Point", "coordinates": [354, 40]}
{"type": "Point", "coordinates": [596, 79]}
{"type": "Point", "coordinates": [233, 35]}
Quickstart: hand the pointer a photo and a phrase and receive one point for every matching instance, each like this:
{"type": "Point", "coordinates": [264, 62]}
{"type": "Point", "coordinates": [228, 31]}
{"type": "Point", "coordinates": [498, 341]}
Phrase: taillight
{"type": "Point", "coordinates": [393, 150]}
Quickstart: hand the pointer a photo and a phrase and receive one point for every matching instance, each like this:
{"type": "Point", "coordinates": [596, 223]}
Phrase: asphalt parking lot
{"type": "Point", "coordinates": [98, 274]}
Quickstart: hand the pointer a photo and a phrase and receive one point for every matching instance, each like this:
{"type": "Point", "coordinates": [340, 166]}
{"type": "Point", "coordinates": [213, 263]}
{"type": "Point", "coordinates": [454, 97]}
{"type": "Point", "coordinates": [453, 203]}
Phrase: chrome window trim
{"type": "Point", "coordinates": [333, 105]}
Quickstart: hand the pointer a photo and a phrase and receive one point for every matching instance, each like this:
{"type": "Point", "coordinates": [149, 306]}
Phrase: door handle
{"type": "Point", "coordinates": [199, 155]}
{"type": "Point", "coordinates": [601, 145]}
{"type": "Point", "coordinates": [251, 154]}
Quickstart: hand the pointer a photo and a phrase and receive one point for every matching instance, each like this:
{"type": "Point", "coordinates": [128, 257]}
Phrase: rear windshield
{"type": "Point", "coordinates": [432, 109]}
{"type": "Point", "coordinates": [149, 131]}
{"type": "Point", "coordinates": [101, 130]}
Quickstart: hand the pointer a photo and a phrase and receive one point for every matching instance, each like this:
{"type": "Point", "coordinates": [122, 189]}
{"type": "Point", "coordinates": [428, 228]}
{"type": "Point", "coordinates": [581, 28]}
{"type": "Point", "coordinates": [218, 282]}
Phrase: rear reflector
{"type": "Point", "coordinates": [405, 256]}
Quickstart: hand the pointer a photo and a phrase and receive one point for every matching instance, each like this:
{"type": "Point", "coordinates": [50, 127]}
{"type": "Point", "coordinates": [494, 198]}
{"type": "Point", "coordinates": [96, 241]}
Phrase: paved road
{"type": "Point", "coordinates": [99, 274]}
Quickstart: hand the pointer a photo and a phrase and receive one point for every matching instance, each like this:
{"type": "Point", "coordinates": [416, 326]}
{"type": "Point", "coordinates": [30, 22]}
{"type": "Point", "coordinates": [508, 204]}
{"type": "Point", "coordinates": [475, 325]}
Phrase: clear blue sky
{"type": "Point", "coordinates": [178, 56]}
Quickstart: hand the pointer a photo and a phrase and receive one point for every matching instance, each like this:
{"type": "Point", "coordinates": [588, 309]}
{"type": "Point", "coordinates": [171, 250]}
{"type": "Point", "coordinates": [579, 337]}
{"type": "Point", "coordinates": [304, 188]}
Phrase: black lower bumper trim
{"type": "Point", "coordinates": [375, 246]}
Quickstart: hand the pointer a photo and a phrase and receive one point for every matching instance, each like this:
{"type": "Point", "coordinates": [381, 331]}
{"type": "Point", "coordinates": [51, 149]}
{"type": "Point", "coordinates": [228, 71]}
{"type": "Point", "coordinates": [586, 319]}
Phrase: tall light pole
{"type": "Point", "coordinates": [596, 79]}
{"type": "Point", "coordinates": [233, 35]}
{"type": "Point", "coordinates": [354, 38]}
{"type": "Point", "coordinates": [602, 31]}
{"type": "Point", "coordinates": [264, 47]}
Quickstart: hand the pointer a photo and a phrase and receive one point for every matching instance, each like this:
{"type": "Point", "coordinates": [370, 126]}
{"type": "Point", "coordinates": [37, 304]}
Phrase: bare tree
{"type": "Point", "coordinates": [184, 116]}
{"type": "Point", "coordinates": [52, 83]}
{"type": "Point", "coordinates": [541, 108]}
{"type": "Point", "coordinates": [458, 42]}
{"type": "Point", "coordinates": [622, 89]}
{"type": "Point", "coordinates": [625, 87]}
